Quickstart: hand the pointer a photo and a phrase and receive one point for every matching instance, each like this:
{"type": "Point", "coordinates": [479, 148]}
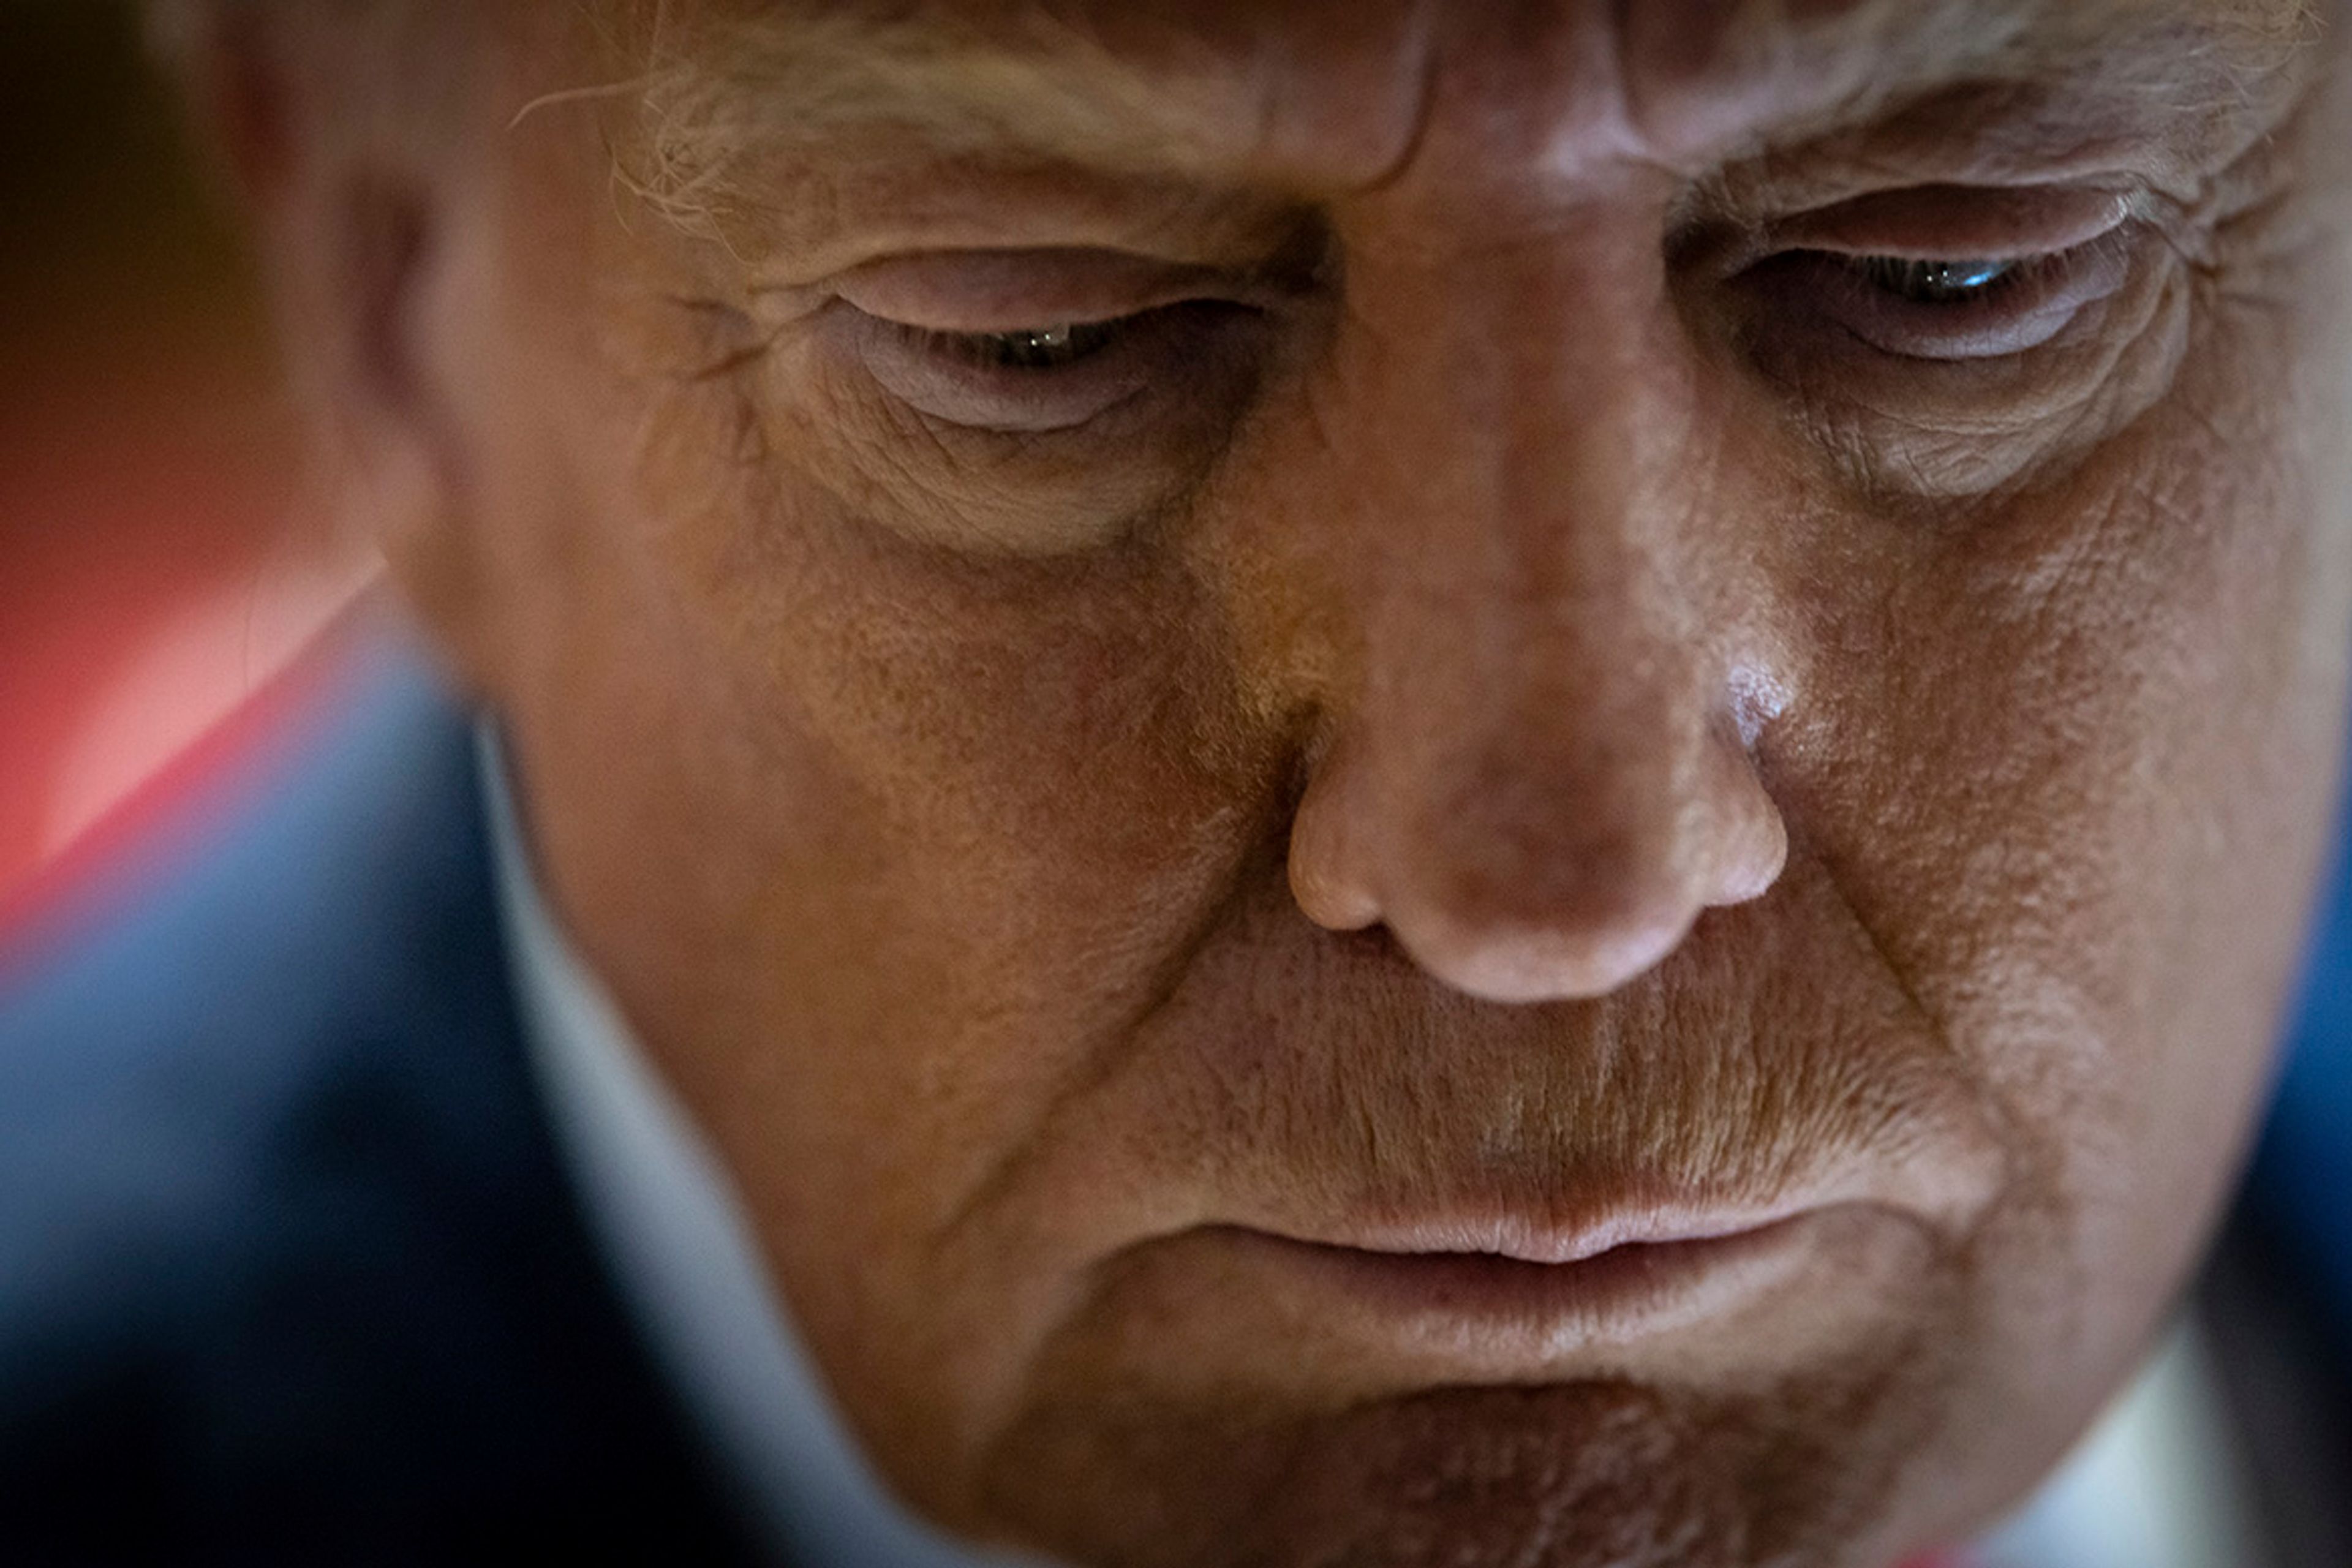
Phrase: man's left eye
{"type": "Point", "coordinates": [1940, 282]}
{"type": "Point", "coordinates": [1927, 309]}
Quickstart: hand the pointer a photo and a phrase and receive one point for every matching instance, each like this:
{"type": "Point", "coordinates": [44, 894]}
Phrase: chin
{"type": "Point", "coordinates": [1592, 1474]}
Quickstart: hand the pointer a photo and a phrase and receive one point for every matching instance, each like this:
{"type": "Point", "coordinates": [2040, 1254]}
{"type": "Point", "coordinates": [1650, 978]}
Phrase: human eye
{"type": "Point", "coordinates": [1040, 343]}
{"type": "Point", "coordinates": [1058, 375]}
{"type": "Point", "coordinates": [1027, 348]}
{"type": "Point", "coordinates": [1034, 403]}
{"type": "Point", "coordinates": [1949, 309]}
{"type": "Point", "coordinates": [1945, 341]}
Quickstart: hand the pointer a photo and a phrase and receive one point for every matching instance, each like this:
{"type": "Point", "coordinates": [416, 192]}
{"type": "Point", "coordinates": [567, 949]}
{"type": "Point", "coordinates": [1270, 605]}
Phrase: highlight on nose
{"type": "Point", "coordinates": [1530, 895]}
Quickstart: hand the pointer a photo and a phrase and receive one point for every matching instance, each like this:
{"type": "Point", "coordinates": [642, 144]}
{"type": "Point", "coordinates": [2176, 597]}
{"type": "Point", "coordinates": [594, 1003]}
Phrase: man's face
{"type": "Point", "coordinates": [1427, 783]}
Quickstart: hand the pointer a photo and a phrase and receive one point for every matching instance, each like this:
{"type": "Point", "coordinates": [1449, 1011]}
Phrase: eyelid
{"type": "Point", "coordinates": [2048, 294]}
{"type": "Point", "coordinates": [1931, 223]}
{"type": "Point", "coordinates": [1155, 352]}
{"type": "Point", "coordinates": [1919, 223]}
{"type": "Point", "coordinates": [992, 291]}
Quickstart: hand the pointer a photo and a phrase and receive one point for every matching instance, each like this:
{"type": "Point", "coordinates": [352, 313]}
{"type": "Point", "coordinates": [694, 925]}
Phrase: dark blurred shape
{"type": "Point", "coordinates": [154, 568]}
{"type": "Point", "coordinates": [117, 240]}
{"type": "Point", "coordinates": [289, 1269]}
{"type": "Point", "coordinates": [2281, 1288]}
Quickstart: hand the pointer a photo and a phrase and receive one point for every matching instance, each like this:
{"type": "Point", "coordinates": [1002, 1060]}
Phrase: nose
{"type": "Point", "coordinates": [1544, 774]}
{"type": "Point", "coordinates": [1517, 871]}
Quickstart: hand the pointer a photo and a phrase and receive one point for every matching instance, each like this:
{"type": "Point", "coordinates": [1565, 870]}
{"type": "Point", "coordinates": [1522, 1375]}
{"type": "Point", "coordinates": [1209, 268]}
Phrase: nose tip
{"type": "Point", "coordinates": [1522, 895]}
{"type": "Point", "coordinates": [1487, 943]}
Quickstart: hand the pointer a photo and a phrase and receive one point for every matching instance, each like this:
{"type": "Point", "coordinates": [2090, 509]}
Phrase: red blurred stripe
{"type": "Point", "coordinates": [194, 789]}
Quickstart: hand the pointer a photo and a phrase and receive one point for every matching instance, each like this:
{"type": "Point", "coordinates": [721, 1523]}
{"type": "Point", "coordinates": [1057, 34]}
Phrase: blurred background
{"type": "Point", "coordinates": [160, 557]}
{"type": "Point", "coordinates": [162, 562]}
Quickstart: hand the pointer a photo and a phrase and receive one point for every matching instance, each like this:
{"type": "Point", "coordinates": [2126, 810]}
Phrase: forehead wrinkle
{"type": "Point", "coordinates": [1706, 82]}
{"type": "Point", "coordinates": [727, 84]}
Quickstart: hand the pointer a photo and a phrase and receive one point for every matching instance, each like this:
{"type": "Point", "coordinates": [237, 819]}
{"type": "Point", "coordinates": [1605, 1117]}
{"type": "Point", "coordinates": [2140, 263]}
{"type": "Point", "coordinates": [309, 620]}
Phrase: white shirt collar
{"type": "Point", "coordinates": [2157, 1484]}
{"type": "Point", "coordinates": [668, 1223]}
{"type": "Point", "coordinates": [2160, 1482]}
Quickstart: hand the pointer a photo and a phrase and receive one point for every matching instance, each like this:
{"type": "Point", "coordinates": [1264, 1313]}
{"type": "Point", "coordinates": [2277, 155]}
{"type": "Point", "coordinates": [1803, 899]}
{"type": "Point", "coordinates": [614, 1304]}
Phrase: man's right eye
{"type": "Point", "coordinates": [1057, 377]}
{"type": "Point", "coordinates": [1037, 409]}
{"type": "Point", "coordinates": [1031, 349]}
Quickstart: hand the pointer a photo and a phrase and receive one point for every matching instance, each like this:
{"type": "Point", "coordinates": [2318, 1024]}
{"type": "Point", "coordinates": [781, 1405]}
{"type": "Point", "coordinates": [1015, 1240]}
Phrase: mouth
{"type": "Point", "coordinates": [1515, 1237]}
{"type": "Point", "coordinates": [1640, 1294]}
{"type": "Point", "coordinates": [1621, 1277]}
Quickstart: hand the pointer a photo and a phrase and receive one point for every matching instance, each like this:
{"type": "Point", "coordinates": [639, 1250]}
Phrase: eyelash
{"type": "Point", "coordinates": [1945, 284]}
{"type": "Point", "coordinates": [1030, 350]}
{"type": "Point", "coordinates": [1932, 312]}
{"type": "Point", "coordinates": [1038, 381]}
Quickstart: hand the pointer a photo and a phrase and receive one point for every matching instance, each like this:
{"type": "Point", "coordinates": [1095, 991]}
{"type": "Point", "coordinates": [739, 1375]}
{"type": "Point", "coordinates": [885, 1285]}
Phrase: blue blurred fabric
{"type": "Point", "coordinates": [288, 1270]}
{"type": "Point", "coordinates": [2300, 1187]}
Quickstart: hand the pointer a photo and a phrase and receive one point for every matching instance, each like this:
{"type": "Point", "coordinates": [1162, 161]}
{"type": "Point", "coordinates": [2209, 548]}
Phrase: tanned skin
{"type": "Point", "coordinates": [1222, 683]}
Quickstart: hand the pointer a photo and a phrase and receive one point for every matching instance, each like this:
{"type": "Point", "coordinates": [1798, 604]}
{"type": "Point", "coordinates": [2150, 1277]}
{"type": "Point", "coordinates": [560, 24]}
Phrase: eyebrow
{"type": "Point", "coordinates": [721, 96]}
{"type": "Point", "coordinates": [729, 92]}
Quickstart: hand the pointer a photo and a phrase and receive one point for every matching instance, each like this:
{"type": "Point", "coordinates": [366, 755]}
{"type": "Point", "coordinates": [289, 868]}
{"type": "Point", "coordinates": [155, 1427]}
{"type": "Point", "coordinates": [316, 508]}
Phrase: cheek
{"type": "Point", "coordinates": [948, 825]}
{"type": "Point", "coordinates": [2072, 765]}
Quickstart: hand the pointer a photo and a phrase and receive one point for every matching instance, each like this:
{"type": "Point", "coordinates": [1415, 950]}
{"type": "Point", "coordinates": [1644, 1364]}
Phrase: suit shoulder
{"type": "Point", "coordinates": [239, 1052]}
{"type": "Point", "coordinates": [287, 1255]}
{"type": "Point", "coordinates": [334, 926]}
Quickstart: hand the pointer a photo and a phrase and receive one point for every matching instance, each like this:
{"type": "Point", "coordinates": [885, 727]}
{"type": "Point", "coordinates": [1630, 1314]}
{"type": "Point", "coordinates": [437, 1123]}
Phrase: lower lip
{"type": "Point", "coordinates": [1510, 1312]}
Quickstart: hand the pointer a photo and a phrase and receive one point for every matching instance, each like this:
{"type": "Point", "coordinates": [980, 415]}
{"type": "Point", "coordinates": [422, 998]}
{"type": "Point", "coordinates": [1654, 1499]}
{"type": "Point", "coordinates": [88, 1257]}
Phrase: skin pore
{"type": "Point", "coordinates": [1165, 651]}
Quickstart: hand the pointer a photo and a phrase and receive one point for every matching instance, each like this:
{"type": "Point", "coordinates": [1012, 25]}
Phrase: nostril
{"type": "Point", "coordinates": [1753, 856]}
{"type": "Point", "coordinates": [1330, 862]}
{"type": "Point", "coordinates": [1749, 838]}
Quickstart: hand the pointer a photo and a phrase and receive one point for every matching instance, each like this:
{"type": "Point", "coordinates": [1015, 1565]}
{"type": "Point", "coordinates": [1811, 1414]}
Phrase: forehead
{"type": "Point", "coordinates": [1339, 90]}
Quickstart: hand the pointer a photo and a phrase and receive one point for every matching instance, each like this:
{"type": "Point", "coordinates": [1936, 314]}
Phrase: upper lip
{"type": "Point", "coordinates": [1523, 1239]}
{"type": "Point", "coordinates": [1943, 1187]}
